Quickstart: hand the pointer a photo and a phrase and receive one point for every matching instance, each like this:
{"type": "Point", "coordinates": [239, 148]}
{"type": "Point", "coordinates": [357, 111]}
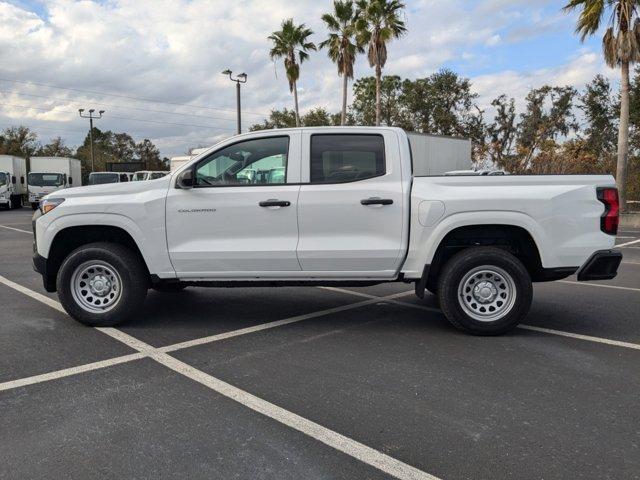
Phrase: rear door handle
{"type": "Point", "coordinates": [376, 201]}
{"type": "Point", "coordinates": [272, 202]}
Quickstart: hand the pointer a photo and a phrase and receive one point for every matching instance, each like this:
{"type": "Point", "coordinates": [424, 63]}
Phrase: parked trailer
{"type": "Point", "coordinates": [12, 181]}
{"type": "Point", "coordinates": [48, 174]}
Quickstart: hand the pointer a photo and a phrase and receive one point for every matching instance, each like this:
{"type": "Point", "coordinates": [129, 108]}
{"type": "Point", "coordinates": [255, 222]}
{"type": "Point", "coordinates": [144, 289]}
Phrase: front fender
{"type": "Point", "coordinates": [152, 245]}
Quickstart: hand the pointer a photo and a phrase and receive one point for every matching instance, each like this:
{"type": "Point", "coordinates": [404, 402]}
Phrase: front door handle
{"type": "Point", "coordinates": [376, 201]}
{"type": "Point", "coordinates": [272, 202]}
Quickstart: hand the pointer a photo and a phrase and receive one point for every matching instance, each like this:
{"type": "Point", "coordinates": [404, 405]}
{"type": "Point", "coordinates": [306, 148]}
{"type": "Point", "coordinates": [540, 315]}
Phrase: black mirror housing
{"type": "Point", "coordinates": [185, 179]}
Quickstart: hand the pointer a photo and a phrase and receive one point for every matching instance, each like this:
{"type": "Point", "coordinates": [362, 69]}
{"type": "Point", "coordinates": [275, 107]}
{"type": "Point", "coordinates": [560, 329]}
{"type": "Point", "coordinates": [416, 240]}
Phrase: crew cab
{"type": "Point", "coordinates": [326, 206]}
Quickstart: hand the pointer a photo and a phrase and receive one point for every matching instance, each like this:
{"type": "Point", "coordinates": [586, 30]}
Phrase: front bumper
{"type": "Point", "coordinates": [40, 262]}
{"type": "Point", "coordinates": [602, 265]}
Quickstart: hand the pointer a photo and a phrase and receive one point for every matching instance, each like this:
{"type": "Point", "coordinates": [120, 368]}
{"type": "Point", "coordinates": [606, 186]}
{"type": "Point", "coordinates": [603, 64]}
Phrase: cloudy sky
{"type": "Point", "coordinates": [154, 65]}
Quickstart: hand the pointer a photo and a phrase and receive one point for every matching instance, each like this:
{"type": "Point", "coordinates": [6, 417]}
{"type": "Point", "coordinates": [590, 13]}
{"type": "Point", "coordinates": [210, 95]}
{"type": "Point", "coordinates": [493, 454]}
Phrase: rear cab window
{"type": "Point", "coordinates": [342, 158]}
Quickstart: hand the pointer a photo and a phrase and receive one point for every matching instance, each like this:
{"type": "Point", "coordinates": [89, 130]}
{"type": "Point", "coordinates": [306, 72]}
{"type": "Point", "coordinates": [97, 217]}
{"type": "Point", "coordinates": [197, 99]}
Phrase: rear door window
{"type": "Point", "coordinates": [345, 158]}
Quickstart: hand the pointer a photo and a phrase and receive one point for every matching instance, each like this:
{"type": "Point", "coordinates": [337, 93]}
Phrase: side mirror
{"type": "Point", "coordinates": [185, 180]}
{"type": "Point", "coordinates": [70, 180]}
{"type": "Point", "coordinates": [22, 180]}
{"type": "Point", "coordinates": [13, 179]}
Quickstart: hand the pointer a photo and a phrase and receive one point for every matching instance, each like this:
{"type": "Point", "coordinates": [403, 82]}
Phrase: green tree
{"type": "Point", "coordinates": [318, 117]}
{"type": "Point", "coordinates": [621, 46]}
{"type": "Point", "coordinates": [20, 141]}
{"type": "Point", "coordinates": [341, 44]}
{"type": "Point", "coordinates": [548, 116]}
{"type": "Point", "coordinates": [292, 40]}
{"type": "Point", "coordinates": [378, 22]}
{"type": "Point", "coordinates": [441, 104]}
{"type": "Point", "coordinates": [147, 152]}
{"type": "Point", "coordinates": [55, 148]}
{"type": "Point", "coordinates": [502, 133]}
{"type": "Point", "coordinates": [369, 103]}
{"type": "Point", "coordinates": [599, 109]}
{"type": "Point", "coordinates": [284, 118]}
{"type": "Point", "coordinates": [123, 147]}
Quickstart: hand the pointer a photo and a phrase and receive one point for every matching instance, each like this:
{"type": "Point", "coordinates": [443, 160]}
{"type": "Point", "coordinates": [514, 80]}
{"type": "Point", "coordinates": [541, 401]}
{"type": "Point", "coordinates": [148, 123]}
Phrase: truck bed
{"type": "Point", "coordinates": [560, 212]}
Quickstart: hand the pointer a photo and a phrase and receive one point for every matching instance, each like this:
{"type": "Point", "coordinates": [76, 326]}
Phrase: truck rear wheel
{"type": "Point", "coordinates": [485, 291]}
{"type": "Point", "coordinates": [102, 284]}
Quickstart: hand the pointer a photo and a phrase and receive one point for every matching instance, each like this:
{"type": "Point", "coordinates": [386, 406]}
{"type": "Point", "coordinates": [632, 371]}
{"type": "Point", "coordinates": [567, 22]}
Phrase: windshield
{"type": "Point", "coordinates": [139, 176]}
{"type": "Point", "coordinates": [45, 179]}
{"type": "Point", "coordinates": [3, 179]}
{"type": "Point", "coordinates": [100, 178]}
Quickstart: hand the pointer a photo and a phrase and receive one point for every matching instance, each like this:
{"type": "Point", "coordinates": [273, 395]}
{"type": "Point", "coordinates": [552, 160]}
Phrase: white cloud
{"type": "Point", "coordinates": [173, 50]}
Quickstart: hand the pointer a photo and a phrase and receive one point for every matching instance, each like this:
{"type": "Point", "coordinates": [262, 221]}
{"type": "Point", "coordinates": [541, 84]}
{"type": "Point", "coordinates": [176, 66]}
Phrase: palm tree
{"type": "Point", "coordinates": [378, 22]}
{"type": "Point", "coordinates": [621, 46]}
{"type": "Point", "coordinates": [341, 44]}
{"type": "Point", "coordinates": [292, 40]}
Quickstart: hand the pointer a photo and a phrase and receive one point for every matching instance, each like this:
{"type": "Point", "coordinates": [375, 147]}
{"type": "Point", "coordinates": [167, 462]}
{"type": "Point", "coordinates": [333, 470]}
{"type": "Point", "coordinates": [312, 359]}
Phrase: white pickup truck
{"type": "Point", "coordinates": [326, 206]}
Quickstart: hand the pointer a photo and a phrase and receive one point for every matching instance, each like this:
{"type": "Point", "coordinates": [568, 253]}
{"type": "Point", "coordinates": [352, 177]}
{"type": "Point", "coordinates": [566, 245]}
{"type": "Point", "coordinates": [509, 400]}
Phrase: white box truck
{"type": "Point", "coordinates": [48, 174]}
{"type": "Point", "coordinates": [437, 155]}
{"type": "Point", "coordinates": [12, 181]}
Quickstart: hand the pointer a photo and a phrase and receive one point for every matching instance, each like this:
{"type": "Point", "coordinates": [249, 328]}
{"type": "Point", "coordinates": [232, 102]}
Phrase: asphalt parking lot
{"type": "Point", "coordinates": [317, 383]}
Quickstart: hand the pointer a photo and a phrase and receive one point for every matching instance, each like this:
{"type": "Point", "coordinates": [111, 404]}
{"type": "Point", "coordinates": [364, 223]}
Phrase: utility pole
{"type": "Point", "coordinates": [91, 118]}
{"type": "Point", "coordinates": [242, 78]}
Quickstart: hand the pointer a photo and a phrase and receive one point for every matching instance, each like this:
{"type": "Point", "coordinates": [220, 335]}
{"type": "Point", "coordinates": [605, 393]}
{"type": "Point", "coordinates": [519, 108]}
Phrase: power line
{"type": "Point", "coordinates": [60, 99]}
{"type": "Point", "coordinates": [125, 118]}
{"type": "Point", "coordinates": [142, 99]}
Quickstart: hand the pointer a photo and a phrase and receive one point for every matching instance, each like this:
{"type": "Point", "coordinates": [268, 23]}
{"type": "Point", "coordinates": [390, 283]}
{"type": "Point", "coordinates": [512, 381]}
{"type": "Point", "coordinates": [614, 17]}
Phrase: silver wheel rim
{"type": "Point", "coordinates": [96, 286]}
{"type": "Point", "coordinates": [487, 293]}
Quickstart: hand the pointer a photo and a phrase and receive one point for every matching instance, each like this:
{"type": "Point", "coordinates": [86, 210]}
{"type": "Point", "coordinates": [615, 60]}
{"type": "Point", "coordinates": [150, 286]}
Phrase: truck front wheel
{"type": "Point", "coordinates": [102, 284]}
{"type": "Point", "coordinates": [485, 291]}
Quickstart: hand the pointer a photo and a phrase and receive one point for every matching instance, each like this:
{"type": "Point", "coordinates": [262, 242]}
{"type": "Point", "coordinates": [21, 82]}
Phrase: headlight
{"type": "Point", "coordinates": [49, 204]}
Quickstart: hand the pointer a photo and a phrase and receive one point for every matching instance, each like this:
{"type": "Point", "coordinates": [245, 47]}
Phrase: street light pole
{"type": "Point", "coordinates": [91, 118]}
{"type": "Point", "coordinates": [242, 78]}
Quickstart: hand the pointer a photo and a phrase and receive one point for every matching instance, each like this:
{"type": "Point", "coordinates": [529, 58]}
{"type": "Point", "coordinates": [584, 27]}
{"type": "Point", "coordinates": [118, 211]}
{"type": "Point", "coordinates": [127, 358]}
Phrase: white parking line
{"type": "Point", "coordinates": [589, 338]}
{"type": "Point", "coordinates": [628, 243]}
{"type": "Point", "coordinates": [329, 437]}
{"type": "Point", "coordinates": [606, 341]}
{"type": "Point", "coordinates": [33, 294]}
{"type": "Point", "coordinates": [265, 326]}
{"type": "Point", "coordinates": [322, 434]}
{"type": "Point", "coordinates": [67, 372]}
{"type": "Point", "coordinates": [600, 285]}
{"type": "Point", "coordinates": [16, 229]}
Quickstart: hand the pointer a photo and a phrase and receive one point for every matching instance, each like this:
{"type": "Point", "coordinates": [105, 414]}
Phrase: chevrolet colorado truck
{"type": "Point", "coordinates": [326, 206]}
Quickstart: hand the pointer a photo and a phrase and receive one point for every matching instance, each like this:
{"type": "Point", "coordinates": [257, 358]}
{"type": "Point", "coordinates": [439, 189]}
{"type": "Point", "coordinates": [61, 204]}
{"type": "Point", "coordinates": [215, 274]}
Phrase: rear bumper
{"type": "Point", "coordinates": [602, 265]}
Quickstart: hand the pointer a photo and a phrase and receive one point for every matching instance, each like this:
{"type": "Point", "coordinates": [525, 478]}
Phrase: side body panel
{"type": "Point", "coordinates": [561, 213]}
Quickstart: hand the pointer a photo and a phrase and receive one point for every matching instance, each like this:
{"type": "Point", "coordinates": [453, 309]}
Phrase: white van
{"type": "Point", "coordinates": [148, 175]}
{"type": "Point", "coordinates": [99, 178]}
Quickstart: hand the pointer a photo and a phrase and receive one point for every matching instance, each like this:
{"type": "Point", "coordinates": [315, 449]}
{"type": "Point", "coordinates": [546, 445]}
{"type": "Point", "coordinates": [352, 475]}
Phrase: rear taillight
{"type": "Point", "coordinates": [610, 217]}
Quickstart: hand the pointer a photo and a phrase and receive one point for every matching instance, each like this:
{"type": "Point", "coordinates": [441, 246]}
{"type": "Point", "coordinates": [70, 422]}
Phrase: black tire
{"type": "Point", "coordinates": [169, 287]}
{"type": "Point", "coordinates": [462, 267]}
{"type": "Point", "coordinates": [432, 287]}
{"type": "Point", "coordinates": [16, 202]}
{"type": "Point", "coordinates": [132, 277]}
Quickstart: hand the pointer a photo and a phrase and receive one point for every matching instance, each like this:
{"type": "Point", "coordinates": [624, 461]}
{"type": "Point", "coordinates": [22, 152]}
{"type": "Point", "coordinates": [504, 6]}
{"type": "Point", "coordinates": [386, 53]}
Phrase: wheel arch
{"type": "Point", "coordinates": [517, 240]}
{"type": "Point", "coordinates": [69, 238]}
